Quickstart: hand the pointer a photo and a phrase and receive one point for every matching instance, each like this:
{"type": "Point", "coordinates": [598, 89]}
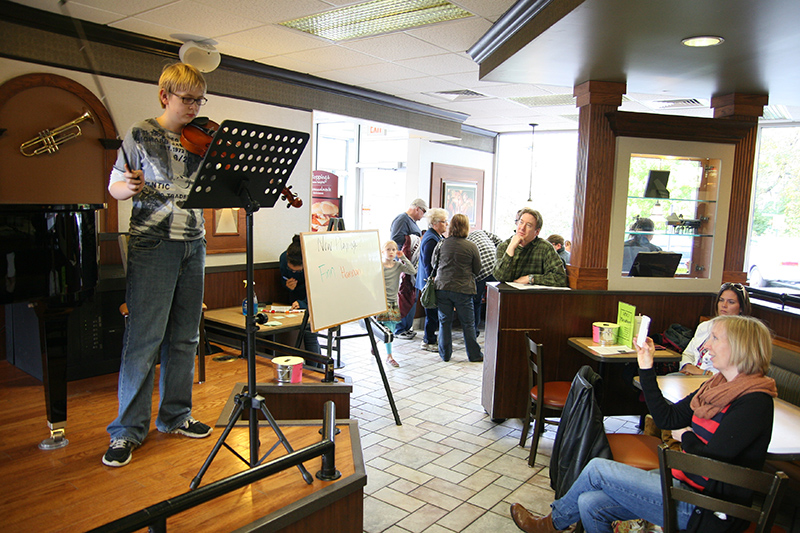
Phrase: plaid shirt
{"type": "Point", "coordinates": [538, 258]}
{"type": "Point", "coordinates": [487, 248]}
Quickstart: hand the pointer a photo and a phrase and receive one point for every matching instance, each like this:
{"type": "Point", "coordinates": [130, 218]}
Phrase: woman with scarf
{"type": "Point", "coordinates": [729, 418]}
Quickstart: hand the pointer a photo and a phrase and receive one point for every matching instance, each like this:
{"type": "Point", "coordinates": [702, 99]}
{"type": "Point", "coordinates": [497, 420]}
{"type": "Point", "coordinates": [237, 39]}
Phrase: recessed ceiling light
{"type": "Point", "coordinates": [378, 16]}
{"type": "Point", "coordinates": [702, 41]}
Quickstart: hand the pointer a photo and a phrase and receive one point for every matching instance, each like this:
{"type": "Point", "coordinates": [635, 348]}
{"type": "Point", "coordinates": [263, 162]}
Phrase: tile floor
{"type": "Point", "coordinates": [448, 467]}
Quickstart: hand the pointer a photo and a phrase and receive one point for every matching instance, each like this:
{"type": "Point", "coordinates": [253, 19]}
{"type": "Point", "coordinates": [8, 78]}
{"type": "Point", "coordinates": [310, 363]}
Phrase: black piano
{"type": "Point", "coordinates": [49, 258]}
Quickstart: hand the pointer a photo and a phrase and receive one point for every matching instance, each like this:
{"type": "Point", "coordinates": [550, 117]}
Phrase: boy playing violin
{"type": "Point", "coordinates": [165, 271]}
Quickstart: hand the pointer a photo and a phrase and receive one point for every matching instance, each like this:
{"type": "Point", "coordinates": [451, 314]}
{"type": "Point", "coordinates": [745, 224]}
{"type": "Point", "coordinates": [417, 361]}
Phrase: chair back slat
{"type": "Point", "coordinates": [771, 485]}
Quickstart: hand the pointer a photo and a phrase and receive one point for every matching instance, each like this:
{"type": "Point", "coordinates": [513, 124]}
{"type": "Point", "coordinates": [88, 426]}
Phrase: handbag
{"type": "Point", "coordinates": [428, 295]}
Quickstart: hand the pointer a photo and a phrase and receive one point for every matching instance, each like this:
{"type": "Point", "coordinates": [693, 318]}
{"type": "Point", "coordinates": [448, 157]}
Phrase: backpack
{"type": "Point", "coordinates": [675, 338]}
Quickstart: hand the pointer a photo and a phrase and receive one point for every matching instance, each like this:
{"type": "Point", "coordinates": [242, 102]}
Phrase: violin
{"type": "Point", "coordinates": [196, 137]}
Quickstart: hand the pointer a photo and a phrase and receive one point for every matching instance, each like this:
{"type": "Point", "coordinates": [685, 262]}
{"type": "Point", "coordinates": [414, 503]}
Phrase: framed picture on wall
{"type": "Point", "coordinates": [458, 190]}
{"type": "Point", "coordinates": [225, 230]}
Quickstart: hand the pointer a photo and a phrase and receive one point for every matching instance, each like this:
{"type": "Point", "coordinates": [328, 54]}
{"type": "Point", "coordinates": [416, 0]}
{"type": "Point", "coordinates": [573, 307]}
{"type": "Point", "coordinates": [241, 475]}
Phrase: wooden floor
{"type": "Point", "coordinates": [71, 490]}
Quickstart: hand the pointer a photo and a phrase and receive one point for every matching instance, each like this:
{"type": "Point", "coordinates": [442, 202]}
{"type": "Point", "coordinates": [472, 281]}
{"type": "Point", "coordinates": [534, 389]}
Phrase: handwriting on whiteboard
{"type": "Point", "coordinates": [336, 244]}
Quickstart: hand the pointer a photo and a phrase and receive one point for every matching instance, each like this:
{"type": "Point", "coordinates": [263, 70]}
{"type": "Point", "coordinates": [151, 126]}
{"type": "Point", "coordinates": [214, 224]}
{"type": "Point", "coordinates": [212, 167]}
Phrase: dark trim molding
{"type": "Point", "coordinates": [506, 27]}
{"type": "Point", "coordinates": [679, 128]}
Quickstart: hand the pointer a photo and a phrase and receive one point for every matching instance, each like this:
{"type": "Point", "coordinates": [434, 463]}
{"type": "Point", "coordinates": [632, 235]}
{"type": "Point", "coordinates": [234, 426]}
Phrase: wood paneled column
{"type": "Point", "coordinates": [594, 184]}
{"type": "Point", "coordinates": [743, 108]}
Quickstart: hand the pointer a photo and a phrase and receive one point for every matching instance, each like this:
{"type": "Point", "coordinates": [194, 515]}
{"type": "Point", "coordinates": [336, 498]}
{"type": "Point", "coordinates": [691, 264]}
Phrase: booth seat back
{"type": "Point", "coordinates": [785, 370]}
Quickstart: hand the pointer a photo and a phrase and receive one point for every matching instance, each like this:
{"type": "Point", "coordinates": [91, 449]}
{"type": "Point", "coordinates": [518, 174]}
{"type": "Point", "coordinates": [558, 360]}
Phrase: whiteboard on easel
{"type": "Point", "coordinates": [344, 276]}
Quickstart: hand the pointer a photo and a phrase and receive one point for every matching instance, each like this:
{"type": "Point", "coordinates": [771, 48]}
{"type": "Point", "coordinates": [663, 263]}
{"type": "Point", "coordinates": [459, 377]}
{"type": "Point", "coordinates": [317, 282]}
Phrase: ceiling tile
{"type": "Point", "coordinates": [394, 46]}
{"type": "Point", "coordinates": [274, 40]}
{"type": "Point", "coordinates": [271, 11]}
{"type": "Point", "coordinates": [143, 27]}
{"type": "Point", "coordinates": [378, 72]}
{"type": "Point", "coordinates": [455, 35]}
{"type": "Point", "coordinates": [441, 64]}
{"type": "Point", "coordinates": [198, 19]}
{"type": "Point", "coordinates": [334, 56]}
{"type": "Point", "coordinates": [491, 9]}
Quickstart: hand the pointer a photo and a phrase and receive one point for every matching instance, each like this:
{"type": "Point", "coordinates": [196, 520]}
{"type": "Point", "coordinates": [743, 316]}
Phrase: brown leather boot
{"type": "Point", "coordinates": [529, 523]}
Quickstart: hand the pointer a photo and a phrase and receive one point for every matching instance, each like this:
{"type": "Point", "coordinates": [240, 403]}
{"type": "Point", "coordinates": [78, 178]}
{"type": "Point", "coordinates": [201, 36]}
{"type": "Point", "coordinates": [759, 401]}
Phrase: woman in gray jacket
{"type": "Point", "coordinates": [457, 262]}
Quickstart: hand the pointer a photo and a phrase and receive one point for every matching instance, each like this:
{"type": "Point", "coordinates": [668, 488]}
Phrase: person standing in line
{"type": "Point", "coordinates": [487, 247]}
{"type": "Point", "coordinates": [290, 264]}
{"type": "Point", "coordinates": [394, 263]}
{"type": "Point", "coordinates": [403, 226]}
{"type": "Point", "coordinates": [165, 270]}
{"type": "Point", "coordinates": [457, 262]}
{"type": "Point", "coordinates": [437, 225]}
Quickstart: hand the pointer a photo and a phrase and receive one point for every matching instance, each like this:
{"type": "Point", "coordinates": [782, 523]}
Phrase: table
{"type": "Point", "coordinates": [785, 442]}
{"type": "Point", "coordinates": [230, 322]}
{"type": "Point", "coordinates": [621, 402]}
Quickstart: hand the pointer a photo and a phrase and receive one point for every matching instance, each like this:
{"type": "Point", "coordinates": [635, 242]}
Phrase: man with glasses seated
{"type": "Point", "coordinates": [525, 258]}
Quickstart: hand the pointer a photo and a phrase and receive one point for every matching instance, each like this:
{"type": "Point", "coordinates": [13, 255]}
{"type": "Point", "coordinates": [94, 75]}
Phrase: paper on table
{"type": "Point", "coordinates": [611, 350]}
{"type": "Point", "coordinates": [525, 286]}
{"type": "Point", "coordinates": [280, 308]}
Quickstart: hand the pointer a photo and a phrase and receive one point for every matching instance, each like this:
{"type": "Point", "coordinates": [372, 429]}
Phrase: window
{"type": "Point", "coordinates": [774, 250]}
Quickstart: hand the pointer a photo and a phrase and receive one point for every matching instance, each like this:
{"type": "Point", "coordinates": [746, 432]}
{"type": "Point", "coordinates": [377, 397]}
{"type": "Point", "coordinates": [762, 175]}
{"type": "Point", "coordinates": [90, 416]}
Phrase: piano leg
{"type": "Point", "coordinates": [53, 325]}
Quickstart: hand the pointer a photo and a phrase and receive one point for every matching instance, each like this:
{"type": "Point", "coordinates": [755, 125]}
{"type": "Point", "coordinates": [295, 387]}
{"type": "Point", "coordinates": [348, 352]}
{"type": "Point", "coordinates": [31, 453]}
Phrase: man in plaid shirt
{"type": "Point", "coordinates": [487, 248]}
{"type": "Point", "coordinates": [525, 258]}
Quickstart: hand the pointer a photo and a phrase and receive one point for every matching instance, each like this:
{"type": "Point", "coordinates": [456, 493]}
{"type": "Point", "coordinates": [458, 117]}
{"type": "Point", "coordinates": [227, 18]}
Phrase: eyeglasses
{"type": "Point", "coordinates": [188, 100]}
{"type": "Point", "coordinates": [528, 225]}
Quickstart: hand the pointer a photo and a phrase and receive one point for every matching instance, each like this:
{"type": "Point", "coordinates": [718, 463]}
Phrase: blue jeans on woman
{"type": "Point", "coordinates": [446, 301]}
{"type": "Point", "coordinates": [607, 491]}
{"type": "Point", "coordinates": [165, 299]}
{"type": "Point", "coordinates": [431, 326]}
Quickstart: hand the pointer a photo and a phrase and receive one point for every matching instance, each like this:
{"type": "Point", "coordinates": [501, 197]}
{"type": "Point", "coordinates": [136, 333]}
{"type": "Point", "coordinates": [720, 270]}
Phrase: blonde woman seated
{"type": "Point", "coordinates": [729, 418]}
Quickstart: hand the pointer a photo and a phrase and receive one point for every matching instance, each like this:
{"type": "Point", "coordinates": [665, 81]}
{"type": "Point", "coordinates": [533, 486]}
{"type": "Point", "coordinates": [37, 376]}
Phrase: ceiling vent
{"type": "Point", "coordinates": [776, 112]}
{"type": "Point", "coordinates": [458, 96]}
{"type": "Point", "coordinates": [547, 100]}
{"type": "Point", "coordinates": [680, 103]}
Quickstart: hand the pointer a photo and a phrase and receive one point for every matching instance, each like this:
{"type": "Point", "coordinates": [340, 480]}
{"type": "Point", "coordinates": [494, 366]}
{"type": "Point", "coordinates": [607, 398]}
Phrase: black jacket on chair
{"type": "Point", "coordinates": [581, 435]}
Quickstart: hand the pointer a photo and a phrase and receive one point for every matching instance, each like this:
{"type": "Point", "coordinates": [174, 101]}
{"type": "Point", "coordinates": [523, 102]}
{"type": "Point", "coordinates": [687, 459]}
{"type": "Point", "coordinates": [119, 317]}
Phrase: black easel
{"type": "Point", "coordinates": [247, 166]}
{"type": "Point", "coordinates": [335, 335]}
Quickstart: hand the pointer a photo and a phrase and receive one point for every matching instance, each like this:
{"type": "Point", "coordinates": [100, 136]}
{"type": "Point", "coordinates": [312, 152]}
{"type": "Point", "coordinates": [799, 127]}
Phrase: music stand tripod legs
{"type": "Point", "coordinates": [247, 166]}
{"type": "Point", "coordinates": [251, 397]}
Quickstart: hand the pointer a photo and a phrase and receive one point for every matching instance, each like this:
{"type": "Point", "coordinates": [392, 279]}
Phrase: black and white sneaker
{"type": "Point", "coordinates": [406, 335]}
{"type": "Point", "coordinates": [119, 453]}
{"type": "Point", "coordinates": [192, 428]}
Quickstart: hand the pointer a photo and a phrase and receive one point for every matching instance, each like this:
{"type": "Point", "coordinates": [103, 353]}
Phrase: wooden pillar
{"type": "Point", "coordinates": [594, 186]}
{"type": "Point", "coordinates": [744, 108]}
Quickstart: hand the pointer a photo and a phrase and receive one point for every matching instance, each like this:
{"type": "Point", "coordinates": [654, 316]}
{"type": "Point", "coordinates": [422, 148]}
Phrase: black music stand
{"type": "Point", "coordinates": [247, 166]}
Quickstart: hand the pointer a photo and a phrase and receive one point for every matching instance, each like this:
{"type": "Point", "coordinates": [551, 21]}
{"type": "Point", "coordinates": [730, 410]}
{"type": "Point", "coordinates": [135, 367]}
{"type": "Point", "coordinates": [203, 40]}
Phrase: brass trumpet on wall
{"type": "Point", "coordinates": [48, 141]}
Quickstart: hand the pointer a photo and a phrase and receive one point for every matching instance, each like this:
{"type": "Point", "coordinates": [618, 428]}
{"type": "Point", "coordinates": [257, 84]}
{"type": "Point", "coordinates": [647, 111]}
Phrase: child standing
{"type": "Point", "coordinates": [166, 265]}
{"type": "Point", "coordinates": [394, 263]}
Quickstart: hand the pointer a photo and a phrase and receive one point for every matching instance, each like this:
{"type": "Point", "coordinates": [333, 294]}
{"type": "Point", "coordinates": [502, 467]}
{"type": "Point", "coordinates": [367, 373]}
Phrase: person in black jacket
{"type": "Point", "coordinates": [729, 418]}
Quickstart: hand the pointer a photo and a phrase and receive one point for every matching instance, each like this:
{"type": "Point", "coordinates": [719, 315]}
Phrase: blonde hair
{"type": "Point", "coordinates": [387, 243]}
{"type": "Point", "coordinates": [750, 342]}
{"type": "Point", "coordinates": [180, 77]}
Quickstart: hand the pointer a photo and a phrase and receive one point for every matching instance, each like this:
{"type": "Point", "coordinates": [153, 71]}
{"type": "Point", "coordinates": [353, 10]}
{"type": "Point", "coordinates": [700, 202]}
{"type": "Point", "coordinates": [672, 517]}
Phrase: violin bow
{"type": "Point", "coordinates": [87, 54]}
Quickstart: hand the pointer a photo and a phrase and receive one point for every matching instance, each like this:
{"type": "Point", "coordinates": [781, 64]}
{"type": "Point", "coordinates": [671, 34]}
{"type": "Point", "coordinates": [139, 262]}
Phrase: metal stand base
{"type": "Point", "coordinates": [57, 440]}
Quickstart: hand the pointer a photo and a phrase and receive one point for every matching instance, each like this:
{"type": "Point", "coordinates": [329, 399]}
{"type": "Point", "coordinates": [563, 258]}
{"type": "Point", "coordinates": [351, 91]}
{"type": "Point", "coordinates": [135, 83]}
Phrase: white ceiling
{"type": "Point", "coordinates": [413, 64]}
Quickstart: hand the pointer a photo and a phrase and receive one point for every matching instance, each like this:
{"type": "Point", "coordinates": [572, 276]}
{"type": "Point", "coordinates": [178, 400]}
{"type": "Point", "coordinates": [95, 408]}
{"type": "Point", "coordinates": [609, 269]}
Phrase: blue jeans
{"type": "Point", "coordinates": [446, 301]}
{"type": "Point", "coordinates": [165, 299]}
{"type": "Point", "coordinates": [607, 491]}
{"type": "Point", "coordinates": [431, 325]}
{"type": "Point", "coordinates": [407, 323]}
{"type": "Point", "coordinates": [477, 300]}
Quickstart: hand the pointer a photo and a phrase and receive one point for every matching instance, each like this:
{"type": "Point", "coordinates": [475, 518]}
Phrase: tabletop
{"type": "Point", "coordinates": [233, 317]}
{"type": "Point", "coordinates": [785, 442]}
{"type": "Point", "coordinates": [591, 349]}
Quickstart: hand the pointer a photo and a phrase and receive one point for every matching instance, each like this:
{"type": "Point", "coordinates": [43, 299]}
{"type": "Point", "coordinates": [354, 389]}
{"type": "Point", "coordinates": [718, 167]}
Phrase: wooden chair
{"type": "Point", "coordinates": [123, 239]}
{"type": "Point", "coordinates": [553, 395]}
{"type": "Point", "coordinates": [762, 516]}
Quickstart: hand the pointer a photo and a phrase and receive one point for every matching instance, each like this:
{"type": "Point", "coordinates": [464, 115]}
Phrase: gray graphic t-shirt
{"type": "Point", "coordinates": [169, 172]}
